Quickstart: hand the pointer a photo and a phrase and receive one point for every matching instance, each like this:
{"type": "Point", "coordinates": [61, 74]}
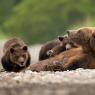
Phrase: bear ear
{"type": "Point", "coordinates": [25, 48]}
{"type": "Point", "coordinates": [60, 38]}
{"type": "Point", "coordinates": [68, 32]}
{"type": "Point", "coordinates": [12, 50]}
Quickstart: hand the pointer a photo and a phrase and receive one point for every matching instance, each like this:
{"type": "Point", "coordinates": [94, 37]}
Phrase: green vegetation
{"type": "Point", "coordinates": [37, 21]}
{"type": "Point", "coordinates": [2, 36]}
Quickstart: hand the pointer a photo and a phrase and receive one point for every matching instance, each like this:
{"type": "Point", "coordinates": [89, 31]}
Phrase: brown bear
{"type": "Point", "coordinates": [87, 58]}
{"type": "Point", "coordinates": [82, 57]}
{"type": "Point", "coordinates": [46, 47]}
{"type": "Point", "coordinates": [58, 62]}
{"type": "Point", "coordinates": [52, 48]}
{"type": "Point", "coordinates": [85, 37]}
{"type": "Point", "coordinates": [16, 56]}
{"type": "Point", "coordinates": [82, 37]}
{"type": "Point", "coordinates": [65, 44]}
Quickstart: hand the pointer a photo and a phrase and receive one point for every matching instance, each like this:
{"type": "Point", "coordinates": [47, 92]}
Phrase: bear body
{"type": "Point", "coordinates": [55, 47]}
{"type": "Point", "coordinates": [81, 57]}
{"type": "Point", "coordinates": [68, 60]}
{"type": "Point", "coordinates": [58, 62]}
{"type": "Point", "coordinates": [65, 44]}
{"type": "Point", "coordinates": [16, 56]}
{"type": "Point", "coordinates": [85, 37]}
{"type": "Point", "coordinates": [46, 47]}
{"type": "Point", "coordinates": [82, 37]}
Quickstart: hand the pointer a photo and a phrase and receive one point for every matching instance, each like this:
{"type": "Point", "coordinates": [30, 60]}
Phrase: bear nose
{"type": "Point", "coordinates": [21, 60]}
{"type": "Point", "coordinates": [22, 63]}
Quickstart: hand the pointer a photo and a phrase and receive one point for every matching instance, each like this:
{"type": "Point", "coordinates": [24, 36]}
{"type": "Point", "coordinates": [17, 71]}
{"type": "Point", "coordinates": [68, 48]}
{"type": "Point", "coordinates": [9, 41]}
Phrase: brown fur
{"type": "Point", "coordinates": [48, 46]}
{"type": "Point", "coordinates": [65, 44]}
{"type": "Point", "coordinates": [58, 62]}
{"type": "Point", "coordinates": [82, 37]}
{"type": "Point", "coordinates": [82, 57]}
{"type": "Point", "coordinates": [16, 56]}
{"type": "Point", "coordinates": [68, 60]}
{"type": "Point", "coordinates": [85, 37]}
{"type": "Point", "coordinates": [55, 47]}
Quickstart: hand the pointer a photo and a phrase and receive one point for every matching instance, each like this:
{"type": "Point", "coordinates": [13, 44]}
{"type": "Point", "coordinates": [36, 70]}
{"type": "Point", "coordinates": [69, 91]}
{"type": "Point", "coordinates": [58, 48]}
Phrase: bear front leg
{"type": "Point", "coordinates": [47, 66]}
{"type": "Point", "coordinates": [56, 50]}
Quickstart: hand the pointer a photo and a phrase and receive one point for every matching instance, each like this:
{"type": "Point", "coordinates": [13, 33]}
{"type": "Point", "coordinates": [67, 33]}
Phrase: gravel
{"type": "Point", "coordinates": [79, 76]}
{"type": "Point", "coordinates": [76, 82]}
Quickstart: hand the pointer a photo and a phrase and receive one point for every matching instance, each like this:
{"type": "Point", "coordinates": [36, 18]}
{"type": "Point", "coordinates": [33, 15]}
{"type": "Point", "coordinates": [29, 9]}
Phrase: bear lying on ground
{"type": "Point", "coordinates": [56, 63]}
{"type": "Point", "coordinates": [82, 57]}
{"type": "Point", "coordinates": [82, 37]}
{"type": "Point", "coordinates": [48, 46]}
{"type": "Point", "coordinates": [52, 48]}
{"type": "Point", "coordinates": [16, 56]}
{"type": "Point", "coordinates": [65, 44]}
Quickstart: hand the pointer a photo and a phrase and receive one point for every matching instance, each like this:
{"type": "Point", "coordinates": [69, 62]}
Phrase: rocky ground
{"type": "Point", "coordinates": [78, 82]}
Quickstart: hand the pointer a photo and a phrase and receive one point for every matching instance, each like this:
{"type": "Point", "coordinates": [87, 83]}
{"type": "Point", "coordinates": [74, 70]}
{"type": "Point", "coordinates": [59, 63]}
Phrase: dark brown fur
{"type": "Point", "coordinates": [16, 56]}
{"type": "Point", "coordinates": [46, 47]}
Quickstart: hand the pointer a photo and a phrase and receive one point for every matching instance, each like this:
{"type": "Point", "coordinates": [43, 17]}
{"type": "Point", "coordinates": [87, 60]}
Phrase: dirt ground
{"type": "Point", "coordinates": [77, 82]}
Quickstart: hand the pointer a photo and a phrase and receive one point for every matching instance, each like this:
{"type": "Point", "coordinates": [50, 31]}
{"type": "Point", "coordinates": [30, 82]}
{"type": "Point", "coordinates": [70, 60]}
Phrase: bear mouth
{"type": "Point", "coordinates": [21, 65]}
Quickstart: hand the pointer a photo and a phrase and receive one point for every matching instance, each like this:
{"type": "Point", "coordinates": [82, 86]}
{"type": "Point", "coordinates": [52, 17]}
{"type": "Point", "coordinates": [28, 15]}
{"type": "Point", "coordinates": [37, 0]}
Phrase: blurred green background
{"type": "Point", "coordinates": [37, 21]}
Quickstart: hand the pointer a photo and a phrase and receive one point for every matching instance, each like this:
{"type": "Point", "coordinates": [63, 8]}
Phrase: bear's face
{"type": "Point", "coordinates": [65, 41]}
{"type": "Point", "coordinates": [81, 36]}
{"type": "Point", "coordinates": [19, 55]}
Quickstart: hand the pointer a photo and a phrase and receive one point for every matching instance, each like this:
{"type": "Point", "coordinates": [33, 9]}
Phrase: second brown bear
{"type": "Point", "coordinates": [16, 56]}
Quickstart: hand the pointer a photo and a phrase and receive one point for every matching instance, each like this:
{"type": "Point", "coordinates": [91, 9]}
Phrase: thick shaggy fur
{"type": "Point", "coordinates": [9, 66]}
{"type": "Point", "coordinates": [82, 57]}
{"type": "Point", "coordinates": [68, 60]}
{"type": "Point", "coordinates": [16, 56]}
{"type": "Point", "coordinates": [58, 62]}
{"type": "Point", "coordinates": [46, 47]}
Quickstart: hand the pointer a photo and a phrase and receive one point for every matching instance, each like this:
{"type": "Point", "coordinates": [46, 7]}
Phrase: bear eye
{"type": "Point", "coordinates": [12, 50]}
{"type": "Point", "coordinates": [25, 48]}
